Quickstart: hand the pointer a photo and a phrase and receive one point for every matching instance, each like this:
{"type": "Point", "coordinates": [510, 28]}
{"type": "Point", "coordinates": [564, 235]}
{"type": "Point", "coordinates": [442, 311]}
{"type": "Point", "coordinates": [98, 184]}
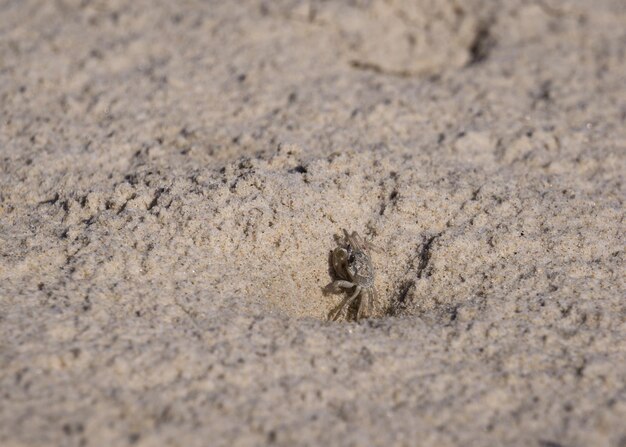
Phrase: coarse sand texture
{"type": "Point", "coordinates": [175, 175]}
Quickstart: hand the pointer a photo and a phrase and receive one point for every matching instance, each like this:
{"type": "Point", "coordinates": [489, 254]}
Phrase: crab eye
{"type": "Point", "coordinates": [351, 258]}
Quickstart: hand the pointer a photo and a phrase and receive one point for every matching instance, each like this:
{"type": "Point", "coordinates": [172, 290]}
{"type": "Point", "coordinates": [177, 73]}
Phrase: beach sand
{"type": "Point", "coordinates": [174, 176]}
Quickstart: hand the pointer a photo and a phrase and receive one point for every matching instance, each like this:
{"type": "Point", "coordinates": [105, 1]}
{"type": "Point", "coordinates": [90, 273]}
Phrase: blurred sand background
{"type": "Point", "coordinates": [173, 174]}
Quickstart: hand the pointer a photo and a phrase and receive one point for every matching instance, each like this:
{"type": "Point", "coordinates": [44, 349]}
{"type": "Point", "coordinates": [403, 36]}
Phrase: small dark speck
{"type": "Point", "coordinates": [137, 313]}
{"type": "Point", "coordinates": [133, 438]}
{"type": "Point", "coordinates": [549, 444]}
{"type": "Point", "coordinates": [482, 45]}
{"type": "Point", "coordinates": [454, 312]}
{"type": "Point", "coordinates": [185, 133]}
{"type": "Point", "coordinates": [96, 54]}
{"type": "Point", "coordinates": [242, 77]}
{"type": "Point", "coordinates": [271, 437]}
{"type": "Point", "coordinates": [299, 169]}
{"type": "Point", "coordinates": [545, 91]}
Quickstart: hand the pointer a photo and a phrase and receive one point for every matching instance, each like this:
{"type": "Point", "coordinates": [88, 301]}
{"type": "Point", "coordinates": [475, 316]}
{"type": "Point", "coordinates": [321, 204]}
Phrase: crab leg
{"type": "Point", "coordinates": [342, 283]}
{"type": "Point", "coordinates": [363, 305]}
{"type": "Point", "coordinates": [368, 298]}
{"type": "Point", "coordinates": [346, 303]}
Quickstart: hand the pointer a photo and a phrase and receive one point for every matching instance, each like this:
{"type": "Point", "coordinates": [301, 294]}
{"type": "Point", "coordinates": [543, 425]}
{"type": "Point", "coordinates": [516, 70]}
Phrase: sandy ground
{"type": "Point", "coordinates": [173, 176]}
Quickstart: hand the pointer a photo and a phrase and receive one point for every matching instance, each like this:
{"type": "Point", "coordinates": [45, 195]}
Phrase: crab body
{"type": "Point", "coordinates": [353, 266]}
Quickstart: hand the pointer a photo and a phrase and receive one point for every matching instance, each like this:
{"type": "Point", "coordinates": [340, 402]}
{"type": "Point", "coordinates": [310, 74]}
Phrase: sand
{"type": "Point", "coordinates": [174, 176]}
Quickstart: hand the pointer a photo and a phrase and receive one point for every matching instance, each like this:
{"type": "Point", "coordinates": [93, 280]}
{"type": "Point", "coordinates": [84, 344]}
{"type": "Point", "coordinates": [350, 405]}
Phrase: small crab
{"type": "Point", "coordinates": [353, 266]}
